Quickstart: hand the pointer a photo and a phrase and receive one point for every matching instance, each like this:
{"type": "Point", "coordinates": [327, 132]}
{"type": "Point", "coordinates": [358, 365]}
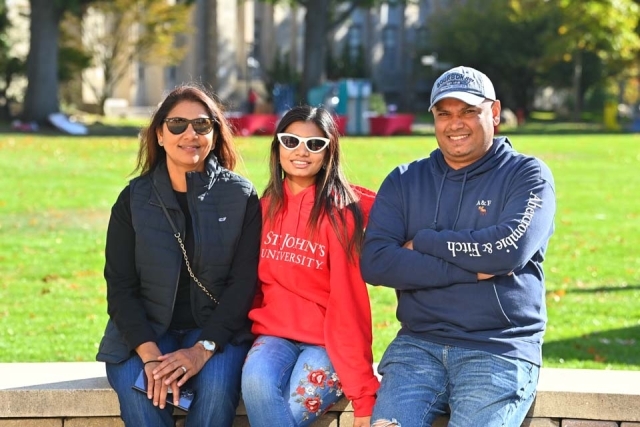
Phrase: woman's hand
{"type": "Point", "coordinates": [362, 421]}
{"type": "Point", "coordinates": [150, 355]}
{"type": "Point", "coordinates": [179, 366]}
{"type": "Point", "coordinates": [156, 388]}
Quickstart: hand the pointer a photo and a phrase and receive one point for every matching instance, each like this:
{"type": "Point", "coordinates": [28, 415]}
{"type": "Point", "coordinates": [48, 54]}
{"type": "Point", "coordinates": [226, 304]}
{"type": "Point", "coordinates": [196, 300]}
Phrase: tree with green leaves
{"type": "Point", "coordinates": [321, 17]}
{"type": "Point", "coordinates": [144, 31]}
{"type": "Point", "coordinates": [41, 98]}
{"type": "Point", "coordinates": [497, 37]}
{"type": "Point", "coordinates": [519, 42]}
{"type": "Point", "coordinates": [42, 95]}
{"type": "Point", "coordinates": [604, 29]}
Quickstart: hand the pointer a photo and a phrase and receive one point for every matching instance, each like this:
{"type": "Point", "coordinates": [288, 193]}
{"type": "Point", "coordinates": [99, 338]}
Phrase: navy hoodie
{"type": "Point", "coordinates": [494, 216]}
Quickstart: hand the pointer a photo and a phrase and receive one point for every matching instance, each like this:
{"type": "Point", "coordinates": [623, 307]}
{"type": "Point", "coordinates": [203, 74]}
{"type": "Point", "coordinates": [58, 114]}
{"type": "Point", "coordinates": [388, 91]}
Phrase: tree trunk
{"type": "Point", "coordinates": [210, 72]}
{"type": "Point", "coordinates": [577, 78]}
{"type": "Point", "coordinates": [41, 98]}
{"type": "Point", "coordinates": [315, 32]}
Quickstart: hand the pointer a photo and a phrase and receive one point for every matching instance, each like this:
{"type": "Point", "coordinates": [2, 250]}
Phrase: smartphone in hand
{"type": "Point", "coordinates": [186, 394]}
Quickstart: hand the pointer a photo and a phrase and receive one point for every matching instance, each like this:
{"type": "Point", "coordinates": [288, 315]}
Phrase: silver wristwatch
{"type": "Point", "coordinates": [209, 345]}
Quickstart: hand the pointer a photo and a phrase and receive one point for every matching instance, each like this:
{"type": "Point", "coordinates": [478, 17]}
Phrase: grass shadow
{"type": "Point", "coordinates": [615, 347]}
{"type": "Point", "coordinates": [602, 289]}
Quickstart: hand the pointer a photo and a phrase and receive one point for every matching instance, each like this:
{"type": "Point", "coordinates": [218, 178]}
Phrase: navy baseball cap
{"type": "Point", "coordinates": [464, 83]}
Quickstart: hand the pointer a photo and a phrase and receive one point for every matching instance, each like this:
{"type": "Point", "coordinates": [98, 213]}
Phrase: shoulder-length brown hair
{"type": "Point", "coordinates": [150, 153]}
{"type": "Point", "coordinates": [334, 196]}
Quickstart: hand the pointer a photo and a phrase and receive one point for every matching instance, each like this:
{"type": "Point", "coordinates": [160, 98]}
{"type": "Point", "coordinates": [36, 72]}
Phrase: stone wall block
{"type": "Point", "coordinates": [587, 423]}
{"type": "Point", "coordinates": [94, 422]}
{"type": "Point", "coordinates": [39, 422]}
{"type": "Point", "coordinates": [541, 422]}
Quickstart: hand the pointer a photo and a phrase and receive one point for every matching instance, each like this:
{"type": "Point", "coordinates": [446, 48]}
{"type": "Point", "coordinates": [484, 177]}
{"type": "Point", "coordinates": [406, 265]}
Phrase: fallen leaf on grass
{"type": "Point", "coordinates": [86, 273]}
{"type": "Point", "coordinates": [383, 325]}
{"type": "Point", "coordinates": [596, 357]}
{"type": "Point", "coordinates": [557, 294]}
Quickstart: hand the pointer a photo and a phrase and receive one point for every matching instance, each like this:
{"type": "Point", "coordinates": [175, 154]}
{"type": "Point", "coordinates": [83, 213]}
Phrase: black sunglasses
{"type": "Point", "coordinates": [314, 144]}
{"type": "Point", "coordinates": [177, 125]}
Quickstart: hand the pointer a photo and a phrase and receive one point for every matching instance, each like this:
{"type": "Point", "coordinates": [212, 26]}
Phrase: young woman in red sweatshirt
{"type": "Point", "coordinates": [312, 316]}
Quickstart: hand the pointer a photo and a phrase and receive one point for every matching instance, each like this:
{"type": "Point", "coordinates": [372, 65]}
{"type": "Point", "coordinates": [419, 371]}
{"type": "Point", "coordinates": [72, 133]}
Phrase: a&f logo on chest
{"type": "Point", "coordinates": [482, 206]}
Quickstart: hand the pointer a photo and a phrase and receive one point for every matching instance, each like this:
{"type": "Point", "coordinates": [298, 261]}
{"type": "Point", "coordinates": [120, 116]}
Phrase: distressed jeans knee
{"type": "Point", "coordinates": [386, 423]}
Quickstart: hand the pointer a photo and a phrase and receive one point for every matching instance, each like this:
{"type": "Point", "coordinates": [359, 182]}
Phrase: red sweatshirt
{"type": "Point", "coordinates": [310, 292]}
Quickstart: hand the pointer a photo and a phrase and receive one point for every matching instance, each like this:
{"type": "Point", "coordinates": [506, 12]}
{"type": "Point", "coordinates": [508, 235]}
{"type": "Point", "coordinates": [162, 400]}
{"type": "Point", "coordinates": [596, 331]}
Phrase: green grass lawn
{"type": "Point", "coordinates": [56, 194]}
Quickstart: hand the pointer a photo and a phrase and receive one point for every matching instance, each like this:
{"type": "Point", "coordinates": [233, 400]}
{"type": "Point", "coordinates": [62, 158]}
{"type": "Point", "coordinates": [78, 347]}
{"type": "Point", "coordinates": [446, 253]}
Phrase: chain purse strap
{"type": "Point", "coordinates": [176, 234]}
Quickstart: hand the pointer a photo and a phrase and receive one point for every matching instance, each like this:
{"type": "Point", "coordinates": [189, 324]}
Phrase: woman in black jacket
{"type": "Point", "coordinates": [181, 269]}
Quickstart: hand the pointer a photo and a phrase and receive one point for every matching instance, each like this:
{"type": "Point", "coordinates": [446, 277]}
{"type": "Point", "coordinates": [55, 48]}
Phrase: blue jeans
{"type": "Point", "coordinates": [287, 383]}
{"type": "Point", "coordinates": [217, 386]}
{"type": "Point", "coordinates": [422, 380]}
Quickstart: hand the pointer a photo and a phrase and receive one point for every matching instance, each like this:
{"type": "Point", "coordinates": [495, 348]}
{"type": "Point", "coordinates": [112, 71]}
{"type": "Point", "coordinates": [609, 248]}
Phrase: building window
{"type": "Point", "coordinates": [355, 42]}
{"type": "Point", "coordinates": [390, 43]}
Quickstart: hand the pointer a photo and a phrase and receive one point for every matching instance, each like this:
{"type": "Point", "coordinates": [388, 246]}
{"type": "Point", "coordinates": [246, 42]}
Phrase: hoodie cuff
{"type": "Point", "coordinates": [363, 406]}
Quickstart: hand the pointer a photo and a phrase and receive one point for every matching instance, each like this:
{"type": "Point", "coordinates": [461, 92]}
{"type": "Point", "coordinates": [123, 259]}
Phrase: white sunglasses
{"type": "Point", "coordinates": [314, 144]}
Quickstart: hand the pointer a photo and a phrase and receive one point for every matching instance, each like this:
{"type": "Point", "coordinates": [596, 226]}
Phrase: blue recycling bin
{"type": "Point", "coordinates": [358, 94]}
{"type": "Point", "coordinates": [330, 95]}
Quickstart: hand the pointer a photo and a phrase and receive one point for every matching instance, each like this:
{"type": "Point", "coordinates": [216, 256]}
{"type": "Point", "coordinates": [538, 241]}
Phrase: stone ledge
{"type": "Point", "coordinates": [588, 394]}
{"type": "Point", "coordinates": [68, 389]}
{"type": "Point", "coordinates": [80, 389]}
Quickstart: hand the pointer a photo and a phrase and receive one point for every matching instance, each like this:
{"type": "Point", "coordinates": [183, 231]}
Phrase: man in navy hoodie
{"type": "Point", "coordinates": [461, 236]}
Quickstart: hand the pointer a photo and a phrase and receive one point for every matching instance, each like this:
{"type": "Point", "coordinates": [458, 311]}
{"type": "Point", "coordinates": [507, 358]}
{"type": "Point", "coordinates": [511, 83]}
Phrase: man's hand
{"type": "Point", "coordinates": [485, 276]}
{"type": "Point", "coordinates": [408, 245]}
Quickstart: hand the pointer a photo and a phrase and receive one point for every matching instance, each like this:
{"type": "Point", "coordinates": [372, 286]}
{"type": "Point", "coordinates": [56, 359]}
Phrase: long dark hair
{"type": "Point", "coordinates": [150, 153]}
{"type": "Point", "coordinates": [334, 196]}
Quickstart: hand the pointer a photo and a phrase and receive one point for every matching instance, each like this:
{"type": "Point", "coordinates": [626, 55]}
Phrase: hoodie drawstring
{"type": "Point", "coordinates": [435, 215]}
{"type": "Point", "coordinates": [434, 224]}
{"type": "Point", "coordinates": [464, 182]}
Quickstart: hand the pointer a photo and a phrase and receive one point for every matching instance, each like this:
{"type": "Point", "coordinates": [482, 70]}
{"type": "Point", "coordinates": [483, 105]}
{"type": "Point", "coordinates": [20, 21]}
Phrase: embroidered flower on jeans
{"type": "Point", "coordinates": [317, 377]}
{"type": "Point", "coordinates": [334, 383]}
{"type": "Point", "coordinates": [308, 393]}
{"type": "Point", "coordinates": [313, 404]}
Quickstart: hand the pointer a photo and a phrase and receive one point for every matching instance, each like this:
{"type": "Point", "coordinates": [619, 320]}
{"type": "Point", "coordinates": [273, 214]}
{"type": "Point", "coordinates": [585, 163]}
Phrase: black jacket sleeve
{"type": "Point", "coordinates": [123, 303]}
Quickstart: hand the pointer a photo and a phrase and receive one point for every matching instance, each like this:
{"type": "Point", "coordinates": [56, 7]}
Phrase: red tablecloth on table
{"type": "Point", "coordinates": [265, 124]}
{"type": "Point", "coordinates": [391, 124]}
{"type": "Point", "coordinates": [251, 124]}
{"type": "Point", "coordinates": [341, 121]}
